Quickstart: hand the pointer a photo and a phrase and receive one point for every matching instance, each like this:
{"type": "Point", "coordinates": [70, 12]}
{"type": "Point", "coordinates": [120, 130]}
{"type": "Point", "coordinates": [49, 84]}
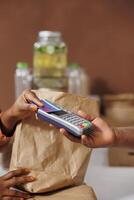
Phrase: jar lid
{"type": "Point", "coordinates": [74, 66]}
{"type": "Point", "coordinates": [49, 34]}
{"type": "Point", "coordinates": [22, 65]}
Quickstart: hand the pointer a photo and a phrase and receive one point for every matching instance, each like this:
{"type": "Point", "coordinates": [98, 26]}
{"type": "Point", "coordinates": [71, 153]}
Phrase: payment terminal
{"type": "Point", "coordinates": [62, 118]}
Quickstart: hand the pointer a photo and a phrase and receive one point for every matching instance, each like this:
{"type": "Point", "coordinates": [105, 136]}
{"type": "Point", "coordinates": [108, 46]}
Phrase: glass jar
{"type": "Point", "coordinates": [50, 57]}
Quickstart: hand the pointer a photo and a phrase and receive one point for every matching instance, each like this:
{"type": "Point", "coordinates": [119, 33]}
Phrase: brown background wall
{"type": "Point", "coordinates": [99, 34]}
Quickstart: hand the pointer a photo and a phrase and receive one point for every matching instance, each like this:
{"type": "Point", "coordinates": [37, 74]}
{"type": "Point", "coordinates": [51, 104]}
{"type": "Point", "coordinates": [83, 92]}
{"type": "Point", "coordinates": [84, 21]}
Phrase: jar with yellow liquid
{"type": "Point", "coordinates": [50, 61]}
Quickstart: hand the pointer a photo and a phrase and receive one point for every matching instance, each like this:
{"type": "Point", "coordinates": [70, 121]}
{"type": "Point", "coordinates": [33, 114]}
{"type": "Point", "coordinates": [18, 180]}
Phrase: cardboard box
{"type": "Point", "coordinates": [121, 157]}
{"type": "Point", "coordinates": [119, 112]}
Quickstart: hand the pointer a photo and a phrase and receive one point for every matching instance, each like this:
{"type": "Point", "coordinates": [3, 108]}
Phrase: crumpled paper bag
{"type": "Point", "coordinates": [54, 160]}
{"type": "Point", "coordinates": [81, 192]}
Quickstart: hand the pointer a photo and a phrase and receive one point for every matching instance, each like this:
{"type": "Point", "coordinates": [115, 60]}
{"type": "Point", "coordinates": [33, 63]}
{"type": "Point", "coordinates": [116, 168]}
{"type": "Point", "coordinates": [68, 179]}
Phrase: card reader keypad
{"type": "Point", "coordinates": [76, 120]}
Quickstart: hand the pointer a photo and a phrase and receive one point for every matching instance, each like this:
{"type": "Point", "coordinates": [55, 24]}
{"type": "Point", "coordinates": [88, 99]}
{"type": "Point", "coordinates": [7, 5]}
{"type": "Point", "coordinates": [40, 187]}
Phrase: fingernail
{"type": "Point", "coordinates": [33, 107]}
{"type": "Point", "coordinates": [27, 170]}
{"type": "Point", "coordinates": [83, 137]}
{"type": "Point", "coordinates": [32, 178]}
{"type": "Point", "coordinates": [62, 131]}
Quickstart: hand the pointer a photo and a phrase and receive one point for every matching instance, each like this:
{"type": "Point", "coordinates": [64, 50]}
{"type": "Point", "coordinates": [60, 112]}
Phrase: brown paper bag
{"type": "Point", "coordinates": [82, 192]}
{"type": "Point", "coordinates": [52, 158]}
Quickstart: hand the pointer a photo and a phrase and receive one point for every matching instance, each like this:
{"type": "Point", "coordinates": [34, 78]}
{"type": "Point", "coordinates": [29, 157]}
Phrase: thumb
{"type": "Point", "coordinates": [31, 107]}
{"type": "Point", "coordinates": [87, 141]}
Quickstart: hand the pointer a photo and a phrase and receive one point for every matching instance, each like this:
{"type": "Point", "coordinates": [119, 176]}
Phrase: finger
{"type": "Point", "coordinates": [4, 140]}
{"type": "Point", "coordinates": [69, 136]}
{"type": "Point", "coordinates": [84, 115]}
{"type": "Point", "coordinates": [16, 181]}
{"type": "Point", "coordinates": [84, 139]}
{"type": "Point", "coordinates": [12, 198]}
{"type": "Point", "coordinates": [15, 173]}
{"type": "Point", "coordinates": [100, 123]}
{"type": "Point", "coordinates": [87, 141]}
{"type": "Point", "coordinates": [31, 97]}
{"type": "Point", "coordinates": [15, 193]}
{"type": "Point", "coordinates": [51, 125]}
{"type": "Point", "coordinates": [30, 107]}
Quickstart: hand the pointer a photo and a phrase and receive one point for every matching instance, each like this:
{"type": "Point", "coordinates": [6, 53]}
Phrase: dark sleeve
{"type": "Point", "coordinates": [5, 131]}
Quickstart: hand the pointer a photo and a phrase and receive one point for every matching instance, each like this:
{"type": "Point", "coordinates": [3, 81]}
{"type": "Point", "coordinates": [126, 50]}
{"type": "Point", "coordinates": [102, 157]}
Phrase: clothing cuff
{"type": "Point", "coordinates": [5, 131]}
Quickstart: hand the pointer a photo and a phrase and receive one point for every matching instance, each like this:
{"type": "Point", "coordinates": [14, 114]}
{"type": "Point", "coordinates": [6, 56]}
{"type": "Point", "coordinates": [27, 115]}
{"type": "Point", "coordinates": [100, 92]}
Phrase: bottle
{"type": "Point", "coordinates": [23, 78]}
{"type": "Point", "coordinates": [73, 78]}
{"type": "Point", "coordinates": [84, 82]}
{"type": "Point", "coordinates": [50, 60]}
{"type": "Point", "coordinates": [78, 80]}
